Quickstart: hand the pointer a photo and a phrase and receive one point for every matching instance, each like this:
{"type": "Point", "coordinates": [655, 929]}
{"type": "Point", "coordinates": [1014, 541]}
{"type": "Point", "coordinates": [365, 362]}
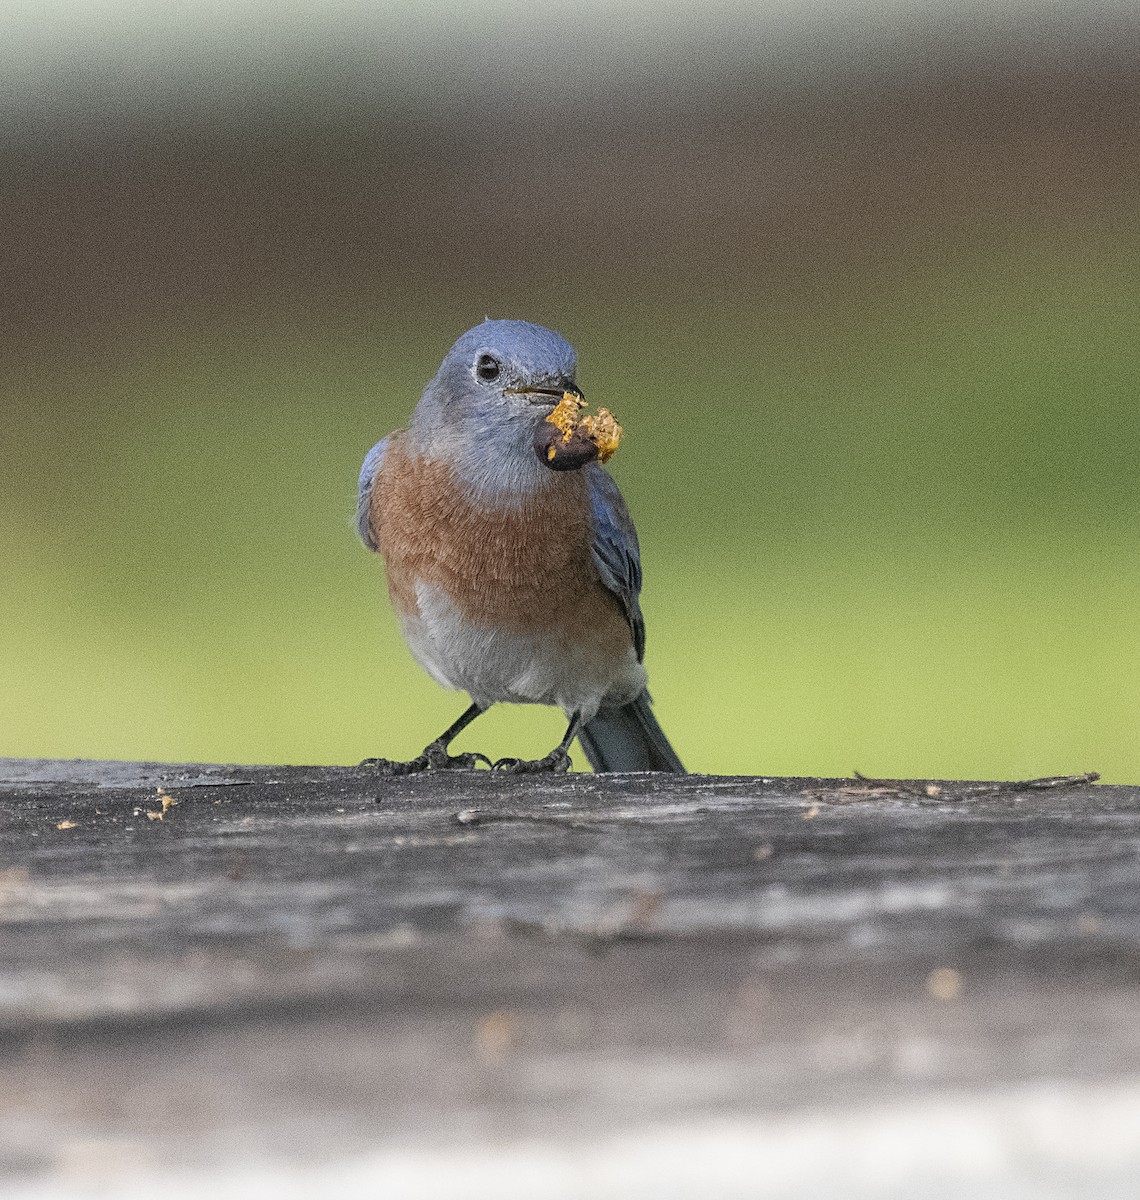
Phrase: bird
{"type": "Point", "coordinates": [514, 579]}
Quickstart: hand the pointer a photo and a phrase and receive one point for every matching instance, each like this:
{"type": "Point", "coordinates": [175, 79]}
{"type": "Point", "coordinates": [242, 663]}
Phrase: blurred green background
{"type": "Point", "coordinates": [862, 289]}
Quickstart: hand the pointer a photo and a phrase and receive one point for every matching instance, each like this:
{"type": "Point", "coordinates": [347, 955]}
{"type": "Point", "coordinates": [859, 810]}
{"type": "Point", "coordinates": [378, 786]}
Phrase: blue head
{"type": "Point", "coordinates": [496, 384]}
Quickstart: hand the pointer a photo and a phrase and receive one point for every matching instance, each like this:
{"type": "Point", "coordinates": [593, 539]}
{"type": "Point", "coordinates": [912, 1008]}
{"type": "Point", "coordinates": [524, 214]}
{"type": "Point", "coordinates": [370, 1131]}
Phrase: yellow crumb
{"type": "Point", "coordinates": [65, 825]}
{"type": "Point", "coordinates": [604, 432]}
{"type": "Point", "coordinates": [601, 429]}
{"type": "Point", "coordinates": [565, 414]}
{"type": "Point", "coordinates": [167, 801]}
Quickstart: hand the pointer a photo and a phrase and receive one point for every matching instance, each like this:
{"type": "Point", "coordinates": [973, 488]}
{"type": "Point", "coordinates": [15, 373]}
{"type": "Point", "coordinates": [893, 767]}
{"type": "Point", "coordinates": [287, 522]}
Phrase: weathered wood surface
{"type": "Point", "coordinates": [318, 970]}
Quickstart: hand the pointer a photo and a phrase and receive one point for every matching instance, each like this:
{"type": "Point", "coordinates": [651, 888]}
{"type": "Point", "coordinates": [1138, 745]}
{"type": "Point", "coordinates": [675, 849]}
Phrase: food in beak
{"type": "Point", "coordinates": [566, 441]}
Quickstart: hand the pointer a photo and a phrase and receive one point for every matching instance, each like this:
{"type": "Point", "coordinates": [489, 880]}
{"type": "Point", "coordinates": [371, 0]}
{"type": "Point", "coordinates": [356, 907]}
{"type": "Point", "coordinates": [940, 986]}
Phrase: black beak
{"type": "Point", "coordinates": [547, 395]}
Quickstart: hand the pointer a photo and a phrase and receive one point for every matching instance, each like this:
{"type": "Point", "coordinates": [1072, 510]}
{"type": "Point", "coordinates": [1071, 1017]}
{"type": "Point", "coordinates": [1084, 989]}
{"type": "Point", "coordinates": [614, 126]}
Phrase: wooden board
{"type": "Point", "coordinates": [318, 974]}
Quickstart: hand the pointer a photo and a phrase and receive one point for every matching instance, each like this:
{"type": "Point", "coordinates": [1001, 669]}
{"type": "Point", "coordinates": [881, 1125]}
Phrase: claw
{"type": "Point", "coordinates": [462, 762]}
{"type": "Point", "coordinates": [557, 762]}
{"type": "Point", "coordinates": [433, 758]}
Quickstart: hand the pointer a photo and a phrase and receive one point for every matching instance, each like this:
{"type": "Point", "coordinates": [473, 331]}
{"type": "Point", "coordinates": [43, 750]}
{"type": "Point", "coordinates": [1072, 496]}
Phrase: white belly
{"type": "Point", "coordinates": [493, 666]}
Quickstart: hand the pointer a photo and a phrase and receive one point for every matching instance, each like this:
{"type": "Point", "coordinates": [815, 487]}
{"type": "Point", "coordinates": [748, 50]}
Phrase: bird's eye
{"type": "Point", "coordinates": [487, 367]}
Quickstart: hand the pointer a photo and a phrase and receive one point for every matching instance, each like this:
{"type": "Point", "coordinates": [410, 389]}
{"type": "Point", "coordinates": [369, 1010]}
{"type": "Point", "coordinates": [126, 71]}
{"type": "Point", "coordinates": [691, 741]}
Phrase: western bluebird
{"type": "Point", "coordinates": [513, 578]}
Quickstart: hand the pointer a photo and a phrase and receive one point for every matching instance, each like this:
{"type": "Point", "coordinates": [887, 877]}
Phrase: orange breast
{"type": "Point", "coordinates": [526, 568]}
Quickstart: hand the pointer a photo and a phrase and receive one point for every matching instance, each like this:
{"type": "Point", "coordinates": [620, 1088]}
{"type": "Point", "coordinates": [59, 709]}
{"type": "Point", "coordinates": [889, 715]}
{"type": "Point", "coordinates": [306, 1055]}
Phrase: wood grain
{"type": "Point", "coordinates": [333, 962]}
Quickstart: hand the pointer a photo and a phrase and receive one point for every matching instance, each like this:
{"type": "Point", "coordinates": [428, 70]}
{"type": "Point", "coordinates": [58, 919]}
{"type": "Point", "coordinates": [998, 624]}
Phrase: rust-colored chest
{"type": "Point", "coordinates": [527, 567]}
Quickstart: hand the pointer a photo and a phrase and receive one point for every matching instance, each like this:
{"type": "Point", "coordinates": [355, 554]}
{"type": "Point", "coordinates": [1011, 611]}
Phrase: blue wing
{"type": "Point", "coordinates": [372, 462]}
{"type": "Point", "coordinates": [616, 552]}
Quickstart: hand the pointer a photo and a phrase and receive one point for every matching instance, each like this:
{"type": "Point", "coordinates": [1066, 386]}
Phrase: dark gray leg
{"type": "Point", "coordinates": [556, 762]}
{"type": "Point", "coordinates": [435, 756]}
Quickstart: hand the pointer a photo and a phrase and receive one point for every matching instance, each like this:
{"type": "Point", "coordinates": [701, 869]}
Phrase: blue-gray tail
{"type": "Point", "coordinates": [628, 739]}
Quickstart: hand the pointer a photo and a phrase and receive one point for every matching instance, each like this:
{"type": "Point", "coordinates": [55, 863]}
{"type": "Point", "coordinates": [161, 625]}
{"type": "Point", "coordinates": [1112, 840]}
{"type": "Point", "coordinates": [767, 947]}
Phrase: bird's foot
{"type": "Point", "coordinates": [557, 762]}
{"type": "Point", "coordinates": [434, 758]}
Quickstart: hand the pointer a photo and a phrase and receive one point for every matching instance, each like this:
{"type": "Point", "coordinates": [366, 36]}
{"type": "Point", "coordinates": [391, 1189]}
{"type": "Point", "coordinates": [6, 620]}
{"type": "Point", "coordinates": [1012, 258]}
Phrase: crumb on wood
{"type": "Point", "coordinates": [158, 814]}
{"type": "Point", "coordinates": [494, 1034]}
{"type": "Point", "coordinates": [944, 983]}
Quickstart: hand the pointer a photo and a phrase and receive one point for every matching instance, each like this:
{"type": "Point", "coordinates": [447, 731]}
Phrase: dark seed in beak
{"type": "Point", "coordinates": [561, 455]}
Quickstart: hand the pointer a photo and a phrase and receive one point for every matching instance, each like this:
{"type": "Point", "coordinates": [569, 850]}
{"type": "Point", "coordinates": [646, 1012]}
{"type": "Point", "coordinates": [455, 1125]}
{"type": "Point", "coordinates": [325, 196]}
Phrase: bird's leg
{"type": "Point", "coordinates": [556, 762]}
{"type": "Point", "coordinates": [435, 756]}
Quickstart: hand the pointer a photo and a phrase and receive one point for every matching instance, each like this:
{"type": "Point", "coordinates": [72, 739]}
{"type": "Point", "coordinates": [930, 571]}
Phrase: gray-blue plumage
{"type": "Point", "coordinates": [372, 462]}
{"type": "Point", "coordinates": [617, 554]}
{"type": "Point", "coordinates": [481, 422]}
{"type": "Point", "coordinates": [626, 737]}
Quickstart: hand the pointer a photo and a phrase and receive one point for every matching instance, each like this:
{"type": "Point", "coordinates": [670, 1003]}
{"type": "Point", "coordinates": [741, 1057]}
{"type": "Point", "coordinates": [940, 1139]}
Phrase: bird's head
{"type": "Point", "coordinates": [500, 378]}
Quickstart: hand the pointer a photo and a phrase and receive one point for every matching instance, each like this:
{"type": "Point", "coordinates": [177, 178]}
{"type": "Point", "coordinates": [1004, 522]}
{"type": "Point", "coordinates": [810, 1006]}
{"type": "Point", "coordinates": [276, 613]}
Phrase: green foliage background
{"type": "Point", "coordinates": [889, 521]}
